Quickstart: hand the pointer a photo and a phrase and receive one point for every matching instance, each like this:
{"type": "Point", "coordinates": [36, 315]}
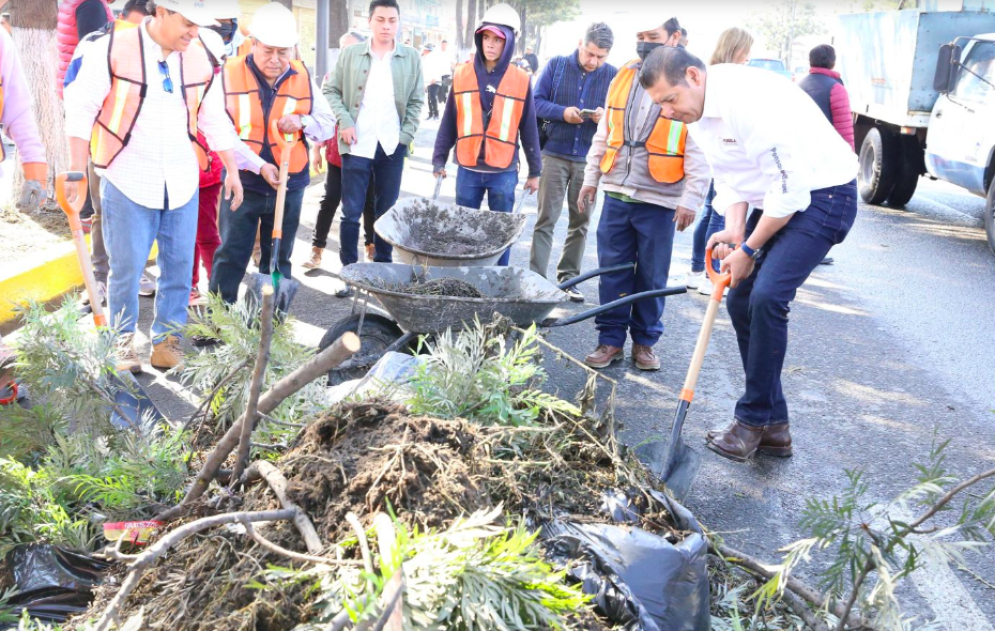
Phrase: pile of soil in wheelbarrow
{"type": "Point", "coordinates": [372, 457]}
{"type": "Point", "coordinates": [431, 230]}
{"type": "Point", "coordinates": [452, 287]}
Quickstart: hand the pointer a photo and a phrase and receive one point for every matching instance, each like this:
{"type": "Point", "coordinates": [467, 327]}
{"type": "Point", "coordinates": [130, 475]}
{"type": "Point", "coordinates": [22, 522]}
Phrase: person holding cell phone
{"type": "Point", "coordinates": [655, 179]}
{"type": "Point", "coordinates": [570, 99]}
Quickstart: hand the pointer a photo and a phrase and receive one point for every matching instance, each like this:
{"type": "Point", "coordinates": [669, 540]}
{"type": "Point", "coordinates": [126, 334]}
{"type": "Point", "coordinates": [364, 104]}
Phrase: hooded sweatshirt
{"type": "Point", "coordinates": [528, 131]}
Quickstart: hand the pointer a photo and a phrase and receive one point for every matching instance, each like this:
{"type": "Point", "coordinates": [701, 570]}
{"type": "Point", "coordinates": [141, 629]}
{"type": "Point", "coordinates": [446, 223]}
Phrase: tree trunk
{"type": "Point", "coordinates": [471, 19]}
{"type": "Point", "coordinates": [34, 23]}
{"type": "Point", "coordinates": [287, 3]}
{"type": "Point", "coordinates": [523, 14]}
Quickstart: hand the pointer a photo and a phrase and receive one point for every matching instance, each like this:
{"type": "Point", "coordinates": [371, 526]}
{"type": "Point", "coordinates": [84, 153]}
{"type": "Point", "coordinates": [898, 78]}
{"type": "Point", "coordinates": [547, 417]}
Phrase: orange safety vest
{"type": "Point", "coordinates": [500, 141]}
{"type": "Point", "coordinates": [245, 107]}
{"type": "Point", "coordinates": [665, 143]}
{"type": "Point", "coordinates": [116, 120]}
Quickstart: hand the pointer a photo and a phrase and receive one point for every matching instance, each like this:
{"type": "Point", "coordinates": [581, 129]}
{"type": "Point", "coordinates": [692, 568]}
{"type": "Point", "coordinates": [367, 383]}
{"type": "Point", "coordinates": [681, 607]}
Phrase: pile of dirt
{"type": "Point", "coordinates": [372, 457]}
{"type": "Point", "coordinates": [452, 287]}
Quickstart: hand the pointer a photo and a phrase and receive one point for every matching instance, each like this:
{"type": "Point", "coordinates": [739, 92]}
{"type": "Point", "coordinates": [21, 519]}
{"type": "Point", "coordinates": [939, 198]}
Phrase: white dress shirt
{"type": "Point", "coordinates": [377, 122]}
{"type": "Point", "coordinates": [159, 158]}
{"type": "Point", "coordinates": [767, 141]}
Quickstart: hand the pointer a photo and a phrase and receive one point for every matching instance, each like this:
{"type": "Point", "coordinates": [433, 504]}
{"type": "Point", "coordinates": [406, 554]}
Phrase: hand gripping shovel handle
{"type": "Point", "coordinates": [285, 147]}
{"type": "Point", "coordinates": [82, 253]}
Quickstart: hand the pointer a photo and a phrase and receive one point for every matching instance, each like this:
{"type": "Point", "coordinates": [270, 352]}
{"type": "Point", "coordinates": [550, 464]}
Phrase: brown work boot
{"type": "Point", "coordinates": [371, 252]}
{"type": "Point", "coordinates": [127, 357]}
{"type": "Point", "coordinates": [645, 358]}
{"type": "Point", "coordinates": [604, 356]}
{"type": "Point", "coordinates": [776, 440]}
{"type": "Point", "coordinates": [315, 261]}
{"type": "Point", "coordinates": [167, 355]}
{"type": "Point", "coordinates": [737, 442]}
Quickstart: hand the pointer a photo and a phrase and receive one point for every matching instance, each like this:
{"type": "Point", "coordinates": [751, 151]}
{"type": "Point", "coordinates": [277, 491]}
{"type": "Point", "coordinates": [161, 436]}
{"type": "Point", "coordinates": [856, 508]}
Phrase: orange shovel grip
{"type": "Point", "coordinates": [281, 142]}
{"type": "Point", "coordinates": [719, 281]}
{"type": "Point", "coordinates": [71, 209]}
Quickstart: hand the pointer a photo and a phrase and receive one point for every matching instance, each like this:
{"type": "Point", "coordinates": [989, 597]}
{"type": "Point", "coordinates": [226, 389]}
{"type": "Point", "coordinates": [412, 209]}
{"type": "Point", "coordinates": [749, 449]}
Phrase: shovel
{"type": "Point", "coordinates": [82, 252]}
{"type": "Point", "coordinates": [284, 288]}
{"type": "Point", "coordinates": [438, 188]}
{"type": "Point", "coordinates": [676, 464]}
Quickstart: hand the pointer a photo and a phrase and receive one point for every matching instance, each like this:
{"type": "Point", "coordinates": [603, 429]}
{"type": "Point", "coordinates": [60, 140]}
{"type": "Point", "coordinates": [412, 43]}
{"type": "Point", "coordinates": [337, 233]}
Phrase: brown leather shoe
{"type": "Point", "coordinates": [315, 261]}
{"type": "Point", "coordinates": [127, 357]}
{"type": "Point", "coordinates": [776, 439]}
{"type": "Point", "coordinates": [645, 358]}
{"type": "Point", "coordinates": [371, 252]}
{"type": "Point", "coordinates": [738, 442]}
{"type": "Point", "coordinates": [167, 354]}
{"type": "Point", "coordinates": [604, 356]}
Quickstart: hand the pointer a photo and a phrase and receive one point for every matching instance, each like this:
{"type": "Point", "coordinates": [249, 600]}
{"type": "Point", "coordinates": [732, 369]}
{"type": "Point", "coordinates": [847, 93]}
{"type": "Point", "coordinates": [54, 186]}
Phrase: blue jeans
{"type": "Point", "coordinates": [710, 223]}
{"type": "Point", "coordinates": [500, 189]}
{"type": "Point", "coordinates": [238, 235]}
{"type": "Point", "coordinates": [633, 233]}
{"type": "Point", "coordinates": [387, 171]}
{"type": "Point", "coordinates": [129, 230]}
{"type": "Point", "coordinates": [759, 306]}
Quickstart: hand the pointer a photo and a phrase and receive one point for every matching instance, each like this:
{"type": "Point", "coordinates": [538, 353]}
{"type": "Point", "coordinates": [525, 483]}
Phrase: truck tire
{"type": "Point", "coordinates": [879, 165]}
{"type": "Point", "coordinates": [990, 216]}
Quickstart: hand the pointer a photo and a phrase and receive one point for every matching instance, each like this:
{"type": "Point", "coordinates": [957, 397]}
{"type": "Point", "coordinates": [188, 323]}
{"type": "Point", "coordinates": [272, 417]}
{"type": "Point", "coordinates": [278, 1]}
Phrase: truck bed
{"type": "Point", "coordinates": [888, 59]}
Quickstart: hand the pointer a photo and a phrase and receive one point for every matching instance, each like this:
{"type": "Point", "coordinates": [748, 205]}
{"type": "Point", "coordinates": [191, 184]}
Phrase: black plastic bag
{"type": "Point", "coordinates": [51, 583]}
{"type": "Point", "coordinates": [638, 579]}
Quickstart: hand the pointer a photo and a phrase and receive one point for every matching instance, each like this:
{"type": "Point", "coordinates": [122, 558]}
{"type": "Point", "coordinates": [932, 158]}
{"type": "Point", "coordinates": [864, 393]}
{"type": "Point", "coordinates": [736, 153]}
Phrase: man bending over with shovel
{"type": "Point", "coordinates": [771, 147]}
{"type": "Point", "coordinates": [267, 85]}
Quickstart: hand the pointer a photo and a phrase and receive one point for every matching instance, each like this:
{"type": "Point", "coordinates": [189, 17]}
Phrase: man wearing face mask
{"type": "Point", "coordinates": [267, 85]}
{"type": "Point", "coordinates": [655, 179]}
{"type": "Point", "coordinates": [227, 12]}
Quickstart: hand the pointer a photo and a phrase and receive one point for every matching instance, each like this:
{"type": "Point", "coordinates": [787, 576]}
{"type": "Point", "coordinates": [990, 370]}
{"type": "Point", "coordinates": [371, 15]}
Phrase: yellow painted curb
{"type": "Point", "coordinates": [43, 283]}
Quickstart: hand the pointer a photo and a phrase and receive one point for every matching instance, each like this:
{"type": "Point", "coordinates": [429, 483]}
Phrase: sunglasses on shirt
{"type": "Point", "coordinates": [167, 82]}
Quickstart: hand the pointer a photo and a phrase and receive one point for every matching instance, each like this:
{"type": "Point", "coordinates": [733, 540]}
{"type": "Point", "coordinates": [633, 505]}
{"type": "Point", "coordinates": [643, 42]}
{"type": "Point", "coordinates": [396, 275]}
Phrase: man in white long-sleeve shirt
{"type": "Point", "coordinates": [769, 146]}
{"type": "Point", "coordinates": [142, 111]}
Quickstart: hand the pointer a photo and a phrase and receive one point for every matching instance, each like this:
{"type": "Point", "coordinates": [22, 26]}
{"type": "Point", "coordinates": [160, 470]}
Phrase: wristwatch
{"type": "Point", "coordinates": [750, 252]}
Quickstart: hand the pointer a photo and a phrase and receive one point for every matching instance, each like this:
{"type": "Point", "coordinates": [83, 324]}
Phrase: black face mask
{"type": "Point", "coordinates": [643, 49]}
{"type": "Point", "coordinates": [226, 31]}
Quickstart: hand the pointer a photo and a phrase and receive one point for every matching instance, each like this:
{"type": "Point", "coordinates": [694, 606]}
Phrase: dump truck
{"type": "Point", "coordinates": [922, 91]}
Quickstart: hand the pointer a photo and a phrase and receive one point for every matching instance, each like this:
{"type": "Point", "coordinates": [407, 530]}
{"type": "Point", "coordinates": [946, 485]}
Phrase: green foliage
{"type": "Point", "coordinates": [475, 375]}
{"type": "Point", "coordinates": [237, 327]}
{"type": "Point", "coordinates": [877, 546]}
{"type": "Point", "coordinates": [476, 575]}
{"type": "Point", "coordinates": [784, 21]}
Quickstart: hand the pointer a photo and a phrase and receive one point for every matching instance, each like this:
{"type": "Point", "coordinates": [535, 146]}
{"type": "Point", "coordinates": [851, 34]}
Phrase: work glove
{"type": "Point", "coordinates": [33, 191]}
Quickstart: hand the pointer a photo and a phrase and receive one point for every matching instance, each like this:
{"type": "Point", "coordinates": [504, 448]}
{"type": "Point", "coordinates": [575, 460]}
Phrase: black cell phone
{"type": "Point", "coordinates": [587, 114]}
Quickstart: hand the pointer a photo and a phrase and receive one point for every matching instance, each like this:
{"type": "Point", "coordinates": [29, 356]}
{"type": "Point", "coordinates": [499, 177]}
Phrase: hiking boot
{"type": "Point", "coordinates": [371, 252]}
{"type": "Point", "coordinates": [127, 356]}
{"type": "Point", "coordinates": [315, 261]}
{"type": "Point", "coordinates": [738, 442]}
{"type": "Point", "coordinates": [166, 355]}
{"type": "Point", "coordinates": [604, 356]}
{"type": "Point", "coordinates": [645, 358]}
{"type": "Point", "coordinates": [146, 285]}
{"type": "Point", "coordinates": [776, 440]}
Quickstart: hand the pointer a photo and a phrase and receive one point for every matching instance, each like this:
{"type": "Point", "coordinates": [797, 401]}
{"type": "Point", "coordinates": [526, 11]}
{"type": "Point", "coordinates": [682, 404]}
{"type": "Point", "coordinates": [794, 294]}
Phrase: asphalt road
{"type": "Point", "coordinates": [888, 346]}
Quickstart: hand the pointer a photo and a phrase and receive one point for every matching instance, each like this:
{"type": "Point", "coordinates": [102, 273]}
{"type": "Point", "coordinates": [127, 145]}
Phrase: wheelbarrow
{"type": "Point", "coordinates": [437, 234]}
{"type": "Point", "coordinates": [522, 296]}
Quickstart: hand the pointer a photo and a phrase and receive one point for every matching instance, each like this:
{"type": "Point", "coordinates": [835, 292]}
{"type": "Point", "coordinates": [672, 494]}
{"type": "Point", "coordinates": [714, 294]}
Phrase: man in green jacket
{"type": "Point", "coordinates": [377, 96]}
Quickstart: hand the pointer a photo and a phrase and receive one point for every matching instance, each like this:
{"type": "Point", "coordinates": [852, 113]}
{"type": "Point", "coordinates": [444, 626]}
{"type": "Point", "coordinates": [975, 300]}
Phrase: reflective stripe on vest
{"type": "Point", "coordinates": [499, 143]}
{"type": "Point", "coordinates": [665, 144]}
{"type": "Point", "coordinates": [245, 107]}
{"type": "Point", "coordinates": [117, 117]}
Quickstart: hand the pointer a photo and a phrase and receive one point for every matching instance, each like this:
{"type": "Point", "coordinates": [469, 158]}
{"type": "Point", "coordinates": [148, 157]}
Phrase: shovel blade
{"type": "Point", "coordinates": [676, 467]}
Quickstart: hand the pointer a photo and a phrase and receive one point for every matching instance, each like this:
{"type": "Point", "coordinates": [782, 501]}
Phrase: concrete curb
{"type": "Point", "coordinates": [46, 281]}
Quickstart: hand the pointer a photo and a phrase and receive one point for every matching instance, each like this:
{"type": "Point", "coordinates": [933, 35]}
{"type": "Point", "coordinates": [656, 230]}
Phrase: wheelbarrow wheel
{"type": "Point", "coordinates": [378, 334]}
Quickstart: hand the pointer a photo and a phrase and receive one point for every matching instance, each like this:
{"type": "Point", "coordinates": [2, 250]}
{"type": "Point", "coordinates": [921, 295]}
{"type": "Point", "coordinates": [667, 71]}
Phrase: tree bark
{"type": "Point", "coordinates": [460, 30]}
{"type": "Point", "coordinates": [287, 3]}
{"type": "Point", "coordinates": [471, 23]}
{"type": "Point", "coordinates": [338, 21]}
{"type": "Point", "coordinates": [34, 23]}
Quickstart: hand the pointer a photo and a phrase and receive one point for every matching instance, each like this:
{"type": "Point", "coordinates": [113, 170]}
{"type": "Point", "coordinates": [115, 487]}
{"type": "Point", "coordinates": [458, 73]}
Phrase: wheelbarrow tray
{"type": "Point", "coordinates": [437, 234]}
{"type": "Point", "coordinates": [521, 295]}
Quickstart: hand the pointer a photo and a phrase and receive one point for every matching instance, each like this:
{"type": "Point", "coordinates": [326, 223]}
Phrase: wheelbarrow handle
{"type": "Point", "coordinates": [576, 280]}
{"type": "Point", "coordinates": [621, 302]}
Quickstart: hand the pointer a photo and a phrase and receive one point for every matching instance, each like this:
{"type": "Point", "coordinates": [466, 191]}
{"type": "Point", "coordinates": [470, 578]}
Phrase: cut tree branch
{"type": "Point", "coordinates": [148, 558]}
{"type": "Point", "coordinates": [262, 470]}
{"type": "Point", "coordinates": [290, 554]}
{"type": "Point", "coordinates": [258, 374]}
{"type": "Point", "coordinates": [318, 366]}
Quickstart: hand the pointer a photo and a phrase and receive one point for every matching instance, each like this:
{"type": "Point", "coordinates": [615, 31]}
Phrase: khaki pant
{"type": "Point", "coordinates": [560, 177]}
{"type": "Point", "coordinates": [101, 264]}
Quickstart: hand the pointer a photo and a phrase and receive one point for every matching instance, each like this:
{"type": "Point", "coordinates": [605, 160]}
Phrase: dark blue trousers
{"type": "Point", "coordinates": [238, 235]}
{"type": "Point", "coordinates": [759, 306]}
{"type": "Point", "coordinates": [386, 171]}
{"type": "Point", "coordinates": [644, 234]}
{"type": "Point", "coordinates": [499, 187]}
{"type": "Point", "coordinates": [710, 223]}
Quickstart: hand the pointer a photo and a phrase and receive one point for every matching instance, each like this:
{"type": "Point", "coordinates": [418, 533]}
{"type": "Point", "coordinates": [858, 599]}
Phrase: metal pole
{"type": "Point", "coordinates": [321, 40]}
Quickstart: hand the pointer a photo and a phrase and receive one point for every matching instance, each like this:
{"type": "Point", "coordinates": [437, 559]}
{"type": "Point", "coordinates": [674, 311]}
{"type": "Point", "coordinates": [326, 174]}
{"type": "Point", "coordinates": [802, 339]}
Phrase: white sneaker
{"type": "Point", "coordinates": [706, 287]}
{"type": "Point", "coordinates": [146, 285]}
{"type": "Point", "coordinates": [693, 280]}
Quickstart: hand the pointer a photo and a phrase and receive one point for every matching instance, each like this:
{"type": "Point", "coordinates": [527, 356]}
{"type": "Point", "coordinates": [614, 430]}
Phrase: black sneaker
{"type": "Point", "coordinates": [345, 292]}
{"type": "Point", "coordinates": [574, 294]}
